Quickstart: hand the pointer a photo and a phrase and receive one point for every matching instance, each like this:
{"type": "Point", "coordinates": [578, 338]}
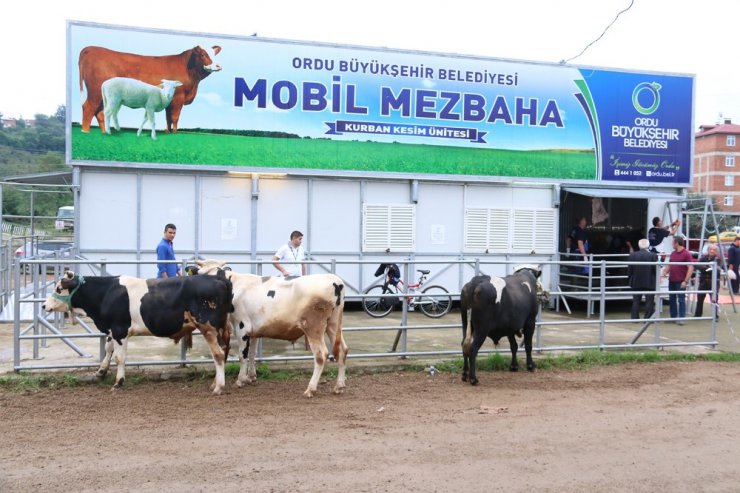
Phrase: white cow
{"type": "Point", "coordinates": [310, 306]}
{"type": "Point", "coordinates": [134, 93]}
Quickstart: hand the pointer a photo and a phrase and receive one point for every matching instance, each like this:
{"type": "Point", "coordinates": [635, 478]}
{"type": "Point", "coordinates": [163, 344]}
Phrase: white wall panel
{"type": "Point", "coordinates": [108, 211]}
{"type": "Point", "coordinates": [388, 192]}
{"type": "Point", "coordinates": [488, 196]}
{"type": "Point", "coordinates": [282, 208]}
{"type": "Point", "coordinates": [439, 218]}
{"type": "Point", "coordinates": [168, 199]}
{"type": "Point", "coordinates": [335, 216]}
{"type": "Point", "coordinates": [225, 219]}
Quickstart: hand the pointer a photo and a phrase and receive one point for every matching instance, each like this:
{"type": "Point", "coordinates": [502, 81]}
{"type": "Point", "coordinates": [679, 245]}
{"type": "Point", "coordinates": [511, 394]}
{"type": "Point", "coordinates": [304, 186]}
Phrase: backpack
{"type": "Point", "coordinates": [393, 270]}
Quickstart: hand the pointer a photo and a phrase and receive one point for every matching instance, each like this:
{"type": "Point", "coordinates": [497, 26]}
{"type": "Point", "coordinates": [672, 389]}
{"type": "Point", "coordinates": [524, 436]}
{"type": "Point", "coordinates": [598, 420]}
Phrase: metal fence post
{"type": "Point", "coordinates": [17, 313]}
{"type": "Point", "coordinates": [602, 304]}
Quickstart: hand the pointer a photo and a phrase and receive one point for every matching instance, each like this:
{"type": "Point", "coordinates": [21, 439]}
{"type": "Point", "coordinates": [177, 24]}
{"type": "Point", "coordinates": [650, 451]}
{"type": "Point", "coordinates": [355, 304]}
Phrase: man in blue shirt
{"type": "Point", "coordinates": [165, 251]}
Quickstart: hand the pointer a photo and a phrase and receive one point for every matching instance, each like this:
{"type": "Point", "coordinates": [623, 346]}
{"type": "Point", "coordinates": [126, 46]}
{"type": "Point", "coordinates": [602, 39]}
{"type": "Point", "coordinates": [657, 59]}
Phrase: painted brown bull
{"type": "Point", "coordinates": [99, 64]}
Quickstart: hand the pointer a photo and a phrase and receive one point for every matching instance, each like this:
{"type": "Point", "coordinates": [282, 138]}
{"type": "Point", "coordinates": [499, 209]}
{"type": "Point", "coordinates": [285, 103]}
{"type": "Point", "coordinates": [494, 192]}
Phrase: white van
{"type": "Point", "coordinates": [65, 217]}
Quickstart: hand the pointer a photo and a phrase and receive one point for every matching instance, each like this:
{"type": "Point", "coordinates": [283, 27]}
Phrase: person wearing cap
{"type": "Point", "coordinates": [642, 278]}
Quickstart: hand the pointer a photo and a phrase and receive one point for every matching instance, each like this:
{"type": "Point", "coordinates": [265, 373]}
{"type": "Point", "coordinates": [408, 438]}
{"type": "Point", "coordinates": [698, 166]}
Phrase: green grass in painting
{"type": "Point", "coordinates": [233, 150]}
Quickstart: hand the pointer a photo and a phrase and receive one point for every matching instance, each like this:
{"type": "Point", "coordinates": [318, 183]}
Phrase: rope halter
{"type": "Point", "coordinates": [67, 298]}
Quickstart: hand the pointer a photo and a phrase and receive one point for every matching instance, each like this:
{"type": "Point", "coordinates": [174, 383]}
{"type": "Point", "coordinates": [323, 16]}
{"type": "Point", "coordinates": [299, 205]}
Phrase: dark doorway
{"type": "Point", "coordinates": [612, 221]}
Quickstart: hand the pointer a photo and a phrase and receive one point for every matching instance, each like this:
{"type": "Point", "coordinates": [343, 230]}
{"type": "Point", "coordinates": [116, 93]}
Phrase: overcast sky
{"type": "Point", "coordinates": [653, 35]}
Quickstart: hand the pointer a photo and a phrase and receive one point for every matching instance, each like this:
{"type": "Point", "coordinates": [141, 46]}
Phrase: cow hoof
{"type": "Point", "coordinates": [339, 390]}
{"type": "Point", "coordinates": [474, 382]}
{"type": "Point", "coordinates": [217, 390]}
{"type": "Point", "coordinates": [531, 368]}
{"type": "Point", "coordinates": [464, 377]}
{"type": "Point", "coordinates": [514, 368]}
{"type": "Point", "coordinates": [308, 393]}
{"type": "Point", "coordinates": [101, 373]}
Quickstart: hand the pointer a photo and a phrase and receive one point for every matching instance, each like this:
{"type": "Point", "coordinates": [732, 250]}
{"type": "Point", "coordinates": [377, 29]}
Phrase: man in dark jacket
{"type": "Point", "coordinates": [705, 278]}
{"type": "Point", "coordinates": [642, 278]}
{"type": "Point", "coordinates": [733, 264]}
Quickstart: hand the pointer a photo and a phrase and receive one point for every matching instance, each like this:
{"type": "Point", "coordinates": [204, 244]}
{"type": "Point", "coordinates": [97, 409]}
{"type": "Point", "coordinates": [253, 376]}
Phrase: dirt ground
{"type": "Point", "coordinates": [643, 427]}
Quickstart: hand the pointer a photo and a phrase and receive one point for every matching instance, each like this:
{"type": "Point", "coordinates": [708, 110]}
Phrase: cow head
{"type": "Point", "coordinates": [210, 266]}
{"type": "Point", "coordinates": [543, 296]}
{"type": "Point", "coordinates": [203, 60]}
{"type": "Point", "coordinates": [534, 269]}
{"type": "Point", "coordinates": [60, 300]}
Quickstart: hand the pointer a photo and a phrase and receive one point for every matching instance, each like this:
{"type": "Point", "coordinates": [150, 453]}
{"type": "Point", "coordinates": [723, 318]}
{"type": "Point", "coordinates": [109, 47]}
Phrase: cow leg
{"type": "Point", "coordinates": [168, 116]}
{"type": "Point", "coordinates": [219, 358]}
{"type": "Point", "coordinates": [105, 364]}
{"type": "Point", "coordinates": [320, 353]}
{"type": "Point", "coordinates": [119, 354]}
{"type": "Point", "coordinates": [334, 331]}
{"type": "Point", "coordinates": [251, 375]}
{"type": "Point", "coordinates": [247, 355]}
{"type": "Point", "coordinates": [92, 105]}
{"type": "Point", "coordinates": [341, 366]}
{"type": "Point", "coordinates": [478, 339]}
{"type": "Point", "coordinates": [100, 117]}
{"type": "Point", "coordinates": [528, 333]}
{"type": "Point", "coordinates": [173, 115]}
{"type": "Point", "coordinates": [464, 313]}
{"type": "Point", "coordinates": [514, 347]}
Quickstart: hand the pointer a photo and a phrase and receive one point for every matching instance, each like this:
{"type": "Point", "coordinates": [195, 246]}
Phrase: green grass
{"type": "Point", "coordinates": [30, 383]}
{"type": "Point", "coordinates": [580, 361]}
{"type": "Point", "coordinates": [232, 150]}
{"type": "Point", "coordinates": [35, 383]}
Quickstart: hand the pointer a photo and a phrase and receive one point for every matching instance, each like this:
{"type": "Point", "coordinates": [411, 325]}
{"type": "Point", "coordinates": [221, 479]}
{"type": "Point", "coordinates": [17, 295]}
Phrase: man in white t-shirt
{"type": "Point", "coordinates": [291, 252]}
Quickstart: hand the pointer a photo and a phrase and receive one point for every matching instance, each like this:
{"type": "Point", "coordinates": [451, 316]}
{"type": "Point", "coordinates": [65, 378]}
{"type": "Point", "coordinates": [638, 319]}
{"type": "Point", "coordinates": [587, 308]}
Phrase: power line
{"type": "Point", "coordinates": [632, 2]}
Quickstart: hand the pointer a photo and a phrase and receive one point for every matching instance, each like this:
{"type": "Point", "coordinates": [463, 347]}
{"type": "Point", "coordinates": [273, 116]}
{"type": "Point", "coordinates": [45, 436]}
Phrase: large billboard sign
{"type": "Point", "coordinates": [265, 104]}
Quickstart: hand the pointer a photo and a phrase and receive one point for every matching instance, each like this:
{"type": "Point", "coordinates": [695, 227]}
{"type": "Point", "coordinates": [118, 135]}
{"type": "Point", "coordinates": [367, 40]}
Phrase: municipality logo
{"type": "Point", "coordinates": [646, 97]}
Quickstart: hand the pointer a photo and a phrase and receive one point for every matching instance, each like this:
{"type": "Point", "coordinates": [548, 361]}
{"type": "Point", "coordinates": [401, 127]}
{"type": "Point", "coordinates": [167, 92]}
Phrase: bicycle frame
{"type": "Point", "coordinates": [411, 294]}
{"type": "Point", "coordinates": [401, 287]}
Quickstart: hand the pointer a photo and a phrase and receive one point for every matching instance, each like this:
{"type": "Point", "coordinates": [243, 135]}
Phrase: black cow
{"type": "Point", "coordinates": [498, 307]}
{"type": "Point", "coordinates": [124, 306]}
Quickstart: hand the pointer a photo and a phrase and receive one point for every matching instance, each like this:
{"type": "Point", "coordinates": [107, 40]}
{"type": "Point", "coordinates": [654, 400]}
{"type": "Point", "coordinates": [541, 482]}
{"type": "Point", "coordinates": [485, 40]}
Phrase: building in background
{"type": "Point", "coordinates": [717, 164]}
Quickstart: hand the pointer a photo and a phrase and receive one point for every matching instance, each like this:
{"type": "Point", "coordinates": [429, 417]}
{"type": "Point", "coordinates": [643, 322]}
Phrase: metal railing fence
{"type": "Point", "coordinates": [554, 332]}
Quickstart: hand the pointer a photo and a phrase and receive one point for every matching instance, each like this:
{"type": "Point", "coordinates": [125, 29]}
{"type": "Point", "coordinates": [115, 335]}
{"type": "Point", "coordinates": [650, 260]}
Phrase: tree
{"type": "Point", "coordinates": [28, 150]}
{"type": "Point", "coordinates": [61, 114]}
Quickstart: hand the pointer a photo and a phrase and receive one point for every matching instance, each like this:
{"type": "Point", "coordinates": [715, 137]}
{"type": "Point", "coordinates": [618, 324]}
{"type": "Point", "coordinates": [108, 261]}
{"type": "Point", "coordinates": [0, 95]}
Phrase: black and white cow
{"type": "Point", "coordinates": [276, 308]}
{"type": "Point", "coordinates": [124, 306]}
{"type": "Point", "coordinates": [498, 307]}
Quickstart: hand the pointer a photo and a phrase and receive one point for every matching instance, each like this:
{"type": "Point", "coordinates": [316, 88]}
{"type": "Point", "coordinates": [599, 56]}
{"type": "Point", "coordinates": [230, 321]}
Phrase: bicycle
{"type": "Point", "coordinates": [434, 301]}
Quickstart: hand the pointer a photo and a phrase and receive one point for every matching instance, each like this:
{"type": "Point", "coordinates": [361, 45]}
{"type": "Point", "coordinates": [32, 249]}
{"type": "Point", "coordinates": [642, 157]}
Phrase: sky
{"type": "Point", "coordinates": [653, 35]}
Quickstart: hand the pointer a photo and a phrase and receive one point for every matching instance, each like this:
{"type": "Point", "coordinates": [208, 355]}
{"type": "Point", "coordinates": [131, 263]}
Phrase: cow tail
{"type": "Point", "coordinates": [468, 333]}
{"type": "Point", "coordinates": [189, 341]}
{"type": "Point", "coordinates": [338, 312]}
{"type": "Point", "coordinates": [79, 64]}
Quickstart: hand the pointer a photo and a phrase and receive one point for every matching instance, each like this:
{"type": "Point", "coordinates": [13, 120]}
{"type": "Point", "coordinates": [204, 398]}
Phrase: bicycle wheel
{"type": "Point", "coordinates": [375, 305]}
{"type": "Point", "coordinates": [436, 301]}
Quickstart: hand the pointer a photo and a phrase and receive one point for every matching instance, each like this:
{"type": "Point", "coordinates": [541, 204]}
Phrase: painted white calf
{"type": "Point", "coordinates": [287, 309]}
{"type": "Point", "coordinates": [134, 93]}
